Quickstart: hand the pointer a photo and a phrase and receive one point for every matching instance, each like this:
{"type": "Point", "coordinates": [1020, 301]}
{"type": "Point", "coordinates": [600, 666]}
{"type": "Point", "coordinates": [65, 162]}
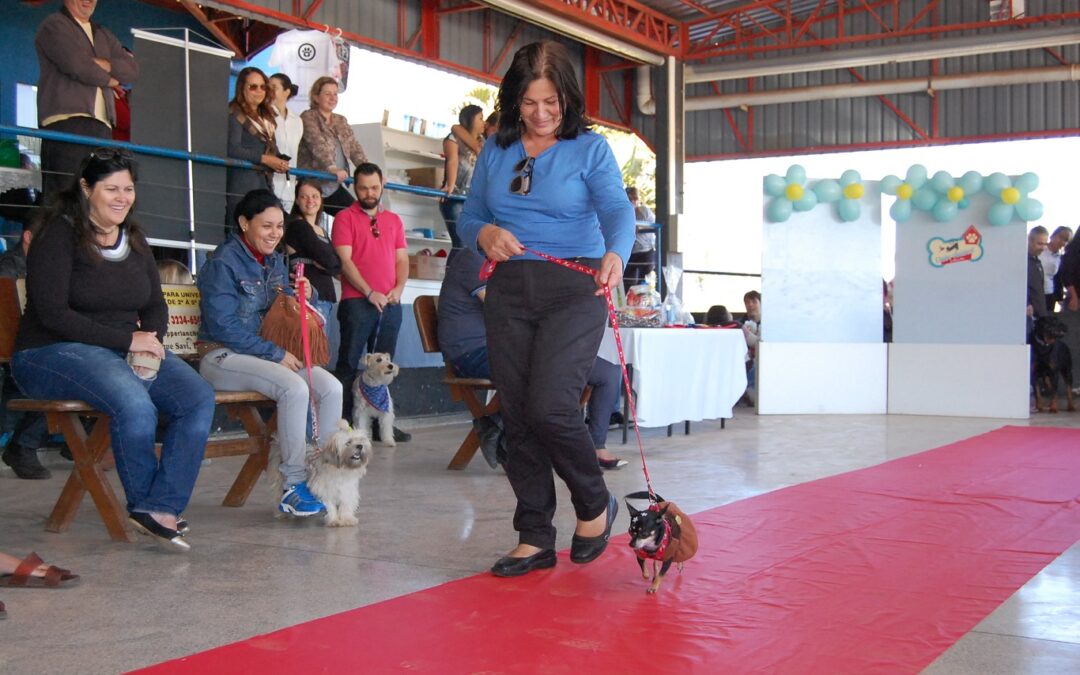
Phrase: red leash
{"type": "Point", "coordinates": [489, 268]}
{"type": "Point", "coordinates": [301, 290]}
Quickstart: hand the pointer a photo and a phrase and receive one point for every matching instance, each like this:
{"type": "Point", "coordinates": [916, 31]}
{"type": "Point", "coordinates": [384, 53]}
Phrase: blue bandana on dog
{"type": "Point", "coordinates": [377, 397]}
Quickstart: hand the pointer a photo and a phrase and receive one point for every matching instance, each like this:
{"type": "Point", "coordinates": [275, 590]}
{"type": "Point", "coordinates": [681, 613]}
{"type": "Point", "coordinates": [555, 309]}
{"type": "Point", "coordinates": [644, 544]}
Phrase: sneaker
{"type": "Point", "coordinates": [24, 461]}
{"type": "Point", "coordinates": [298, 501]}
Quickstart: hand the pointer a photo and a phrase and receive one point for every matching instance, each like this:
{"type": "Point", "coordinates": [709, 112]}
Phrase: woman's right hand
{"type": "Point", "coordinates": [498, 243]}
{"type": "Point", "coordinates": [342, 175]}
{"type": "Point", "coordinates": [291, 362]}
{"type": "Point", "coordinates": [276, 163]}
{"type": "Point", "coordinates": [144, 341]}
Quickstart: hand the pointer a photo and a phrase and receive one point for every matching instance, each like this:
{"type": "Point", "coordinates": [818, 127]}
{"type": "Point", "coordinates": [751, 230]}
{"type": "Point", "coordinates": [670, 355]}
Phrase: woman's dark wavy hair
{"type": "Point", "coordinates": [532, 62]}
{"type": "Point", "coordinates": [254, 203]}
{"type": "Point", "coordinates": [73, 206]}
{"type": "Point", "coordinates": [295, 211]}
{"type": "Point", "coordinates": [265, 109]}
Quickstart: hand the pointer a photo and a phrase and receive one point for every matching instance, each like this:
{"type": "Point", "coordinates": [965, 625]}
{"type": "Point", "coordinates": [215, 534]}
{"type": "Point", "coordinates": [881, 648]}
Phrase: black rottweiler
{"type": "Point", "coordinates": [1050, 357]}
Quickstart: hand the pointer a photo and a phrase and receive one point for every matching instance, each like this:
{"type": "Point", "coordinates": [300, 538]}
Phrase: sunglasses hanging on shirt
{"type": "Point", "coordinates": [522, 183]}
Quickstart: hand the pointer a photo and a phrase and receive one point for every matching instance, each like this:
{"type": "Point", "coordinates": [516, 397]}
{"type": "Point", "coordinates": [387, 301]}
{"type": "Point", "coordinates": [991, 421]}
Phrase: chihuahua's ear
{"type": "Point", "coordinates": [634, 513]}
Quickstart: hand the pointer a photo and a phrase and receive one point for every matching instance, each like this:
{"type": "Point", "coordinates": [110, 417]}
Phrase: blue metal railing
{"type": "Point", "coordinates": [213, 160]}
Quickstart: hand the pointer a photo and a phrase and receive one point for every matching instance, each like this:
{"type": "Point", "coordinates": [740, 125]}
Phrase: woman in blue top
{"type": "Point", "coordinates": [549, 184]}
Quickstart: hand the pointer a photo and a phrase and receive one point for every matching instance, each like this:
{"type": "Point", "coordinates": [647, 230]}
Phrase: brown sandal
{"type": "Point", "coordinates": [24, 577]}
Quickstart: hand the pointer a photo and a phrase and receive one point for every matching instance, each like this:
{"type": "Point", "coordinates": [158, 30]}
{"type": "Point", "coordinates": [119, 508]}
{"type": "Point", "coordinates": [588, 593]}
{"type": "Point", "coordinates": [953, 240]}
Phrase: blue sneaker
{"type": "Point", "coordinates": [298, 501]}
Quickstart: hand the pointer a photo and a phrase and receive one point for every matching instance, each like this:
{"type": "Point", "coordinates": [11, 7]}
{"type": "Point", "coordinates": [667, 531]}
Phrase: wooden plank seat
{"type": "Point", "coordinates": [92, 452]}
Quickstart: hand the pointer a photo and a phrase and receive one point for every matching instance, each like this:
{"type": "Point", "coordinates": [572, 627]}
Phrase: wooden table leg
{"type": "Point", "coordinates": [86, 476]}
{"type": "Point", "coordinates": [256, 461]}
{"type": "Point", "coordinates": [465, 453]}
{"type": "Point", "coordinates": [471, 443]}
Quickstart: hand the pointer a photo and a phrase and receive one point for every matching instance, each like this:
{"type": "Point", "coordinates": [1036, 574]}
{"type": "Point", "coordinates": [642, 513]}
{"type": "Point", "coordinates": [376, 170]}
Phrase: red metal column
{"type": "Point", "coordinates": [592, 82]}
{"type": "Point", "coordinates": [429, 29]}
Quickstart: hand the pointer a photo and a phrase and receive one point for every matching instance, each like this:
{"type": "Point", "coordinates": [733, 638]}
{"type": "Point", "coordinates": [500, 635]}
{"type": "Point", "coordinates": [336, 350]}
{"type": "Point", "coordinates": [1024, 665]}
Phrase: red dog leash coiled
{"type": "Point", "coordinates": [489, 268]}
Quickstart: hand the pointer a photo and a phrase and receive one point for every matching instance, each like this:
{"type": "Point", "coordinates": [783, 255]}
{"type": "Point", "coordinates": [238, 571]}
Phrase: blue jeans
{"type": "Point", "coordinates": [102, 378]}
{"type": "Point", "coordinates": [363, 329]}
{"type": "Point", "coordinates": [451, 211]}
{"type": "Point", "coordinates": [472, 364]}
{"type": "Point", "coordinates": [606, 381]}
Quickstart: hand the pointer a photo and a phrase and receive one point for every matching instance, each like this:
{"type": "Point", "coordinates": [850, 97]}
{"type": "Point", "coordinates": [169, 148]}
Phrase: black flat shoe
{"type": "Point", "coordinates": [588, 549]}
{"type": "Point", "coordinates": [612, 464]}
{"type": "Point", "coordinates": [515, 567]}
{"type": "Point", "coordinates": [489, 433]}
{"type": "Point", "coordinates": [25, 463]}
{"type": "Point", "coordinates": [168, 538]}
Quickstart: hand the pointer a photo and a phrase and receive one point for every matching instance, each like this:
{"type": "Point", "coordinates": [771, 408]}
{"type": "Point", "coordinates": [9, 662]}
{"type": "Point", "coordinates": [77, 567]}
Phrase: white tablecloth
{"type": "Point", "coordinates": [682, 373]}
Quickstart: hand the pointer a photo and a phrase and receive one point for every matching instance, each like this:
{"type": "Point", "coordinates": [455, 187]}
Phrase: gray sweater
{"type": "Point", "coordinates": [69, 77]}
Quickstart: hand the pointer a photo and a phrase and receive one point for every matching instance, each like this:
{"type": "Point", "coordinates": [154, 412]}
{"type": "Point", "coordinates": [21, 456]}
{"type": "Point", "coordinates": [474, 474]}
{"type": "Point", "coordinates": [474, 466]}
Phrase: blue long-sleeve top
{"type": "Point", "coordinates": [577, 205]}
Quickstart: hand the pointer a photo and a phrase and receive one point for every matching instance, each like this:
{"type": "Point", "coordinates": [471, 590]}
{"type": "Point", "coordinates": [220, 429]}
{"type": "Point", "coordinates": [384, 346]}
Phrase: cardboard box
{"type": "Point", "coordinates": [431, 267]}
{"type": "Point", "coordinates": [430, 177]}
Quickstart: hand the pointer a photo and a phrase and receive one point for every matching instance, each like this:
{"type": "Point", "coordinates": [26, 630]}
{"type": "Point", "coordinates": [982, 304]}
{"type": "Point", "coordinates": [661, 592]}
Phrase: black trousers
{"type": "Point", "coordinates": [59, 160]}
{"type": "Point", "coordinates": [544, 327]}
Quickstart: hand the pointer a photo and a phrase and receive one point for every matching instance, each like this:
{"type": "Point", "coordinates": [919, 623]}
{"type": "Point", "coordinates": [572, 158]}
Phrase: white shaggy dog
{"type": "Point", "coordinates": [371, 396]}
{"type": "Point", "coordinates": [334, 474]}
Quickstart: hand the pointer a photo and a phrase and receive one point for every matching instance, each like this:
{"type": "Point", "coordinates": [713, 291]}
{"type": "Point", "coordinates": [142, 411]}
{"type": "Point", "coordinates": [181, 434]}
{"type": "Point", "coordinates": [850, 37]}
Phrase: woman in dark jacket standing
{"type": "Point", "coordinates": [94, 306]}
{"type": "Point", "coordinates": [252, 123]}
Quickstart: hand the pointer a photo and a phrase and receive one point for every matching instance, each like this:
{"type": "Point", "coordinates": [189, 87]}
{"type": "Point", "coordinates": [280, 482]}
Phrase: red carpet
{"type": "Point", "coordinates": [877, 570]}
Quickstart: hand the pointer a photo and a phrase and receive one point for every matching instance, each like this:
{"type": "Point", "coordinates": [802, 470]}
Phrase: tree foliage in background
{"type": "Point", "coordinates": [482, 96]}
{"type": "Point", "coordinates": [637, 162]}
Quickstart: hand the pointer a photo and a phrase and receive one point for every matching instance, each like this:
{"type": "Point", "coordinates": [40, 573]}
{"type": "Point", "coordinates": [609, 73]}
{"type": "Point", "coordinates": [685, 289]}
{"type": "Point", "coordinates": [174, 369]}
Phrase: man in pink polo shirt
{"type": "Point", "coordinates": [370, 241]}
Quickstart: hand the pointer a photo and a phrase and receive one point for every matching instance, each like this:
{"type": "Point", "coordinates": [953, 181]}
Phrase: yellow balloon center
{"type": "Point", "coordinates": [1010, 195]}
{"type": "Point", "coordinates": [794, 192]}
{"type": "Point", "coordinates": [904, 192]}
{"type": "Point", "coordinates": [854, 191]}
{"type": "Point", "coordinates": [955, 193]}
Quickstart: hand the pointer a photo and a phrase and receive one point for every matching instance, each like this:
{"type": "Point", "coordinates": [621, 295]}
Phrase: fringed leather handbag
{"type": "Point", "coordinates": [281, 325]}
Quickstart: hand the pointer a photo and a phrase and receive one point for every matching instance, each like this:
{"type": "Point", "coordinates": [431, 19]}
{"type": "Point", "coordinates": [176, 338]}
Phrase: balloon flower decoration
{"type": "Point", "coordinates": [1013, 198]}
{"type": "Point", "coordinates": [789, 193]}
{"type": "Point", "coordinates": [905, 191]}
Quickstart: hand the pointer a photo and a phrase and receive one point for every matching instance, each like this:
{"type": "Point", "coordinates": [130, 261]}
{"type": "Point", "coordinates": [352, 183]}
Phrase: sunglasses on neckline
{"type": "Point", "coordinates": [375, 226]}
{"type": "Point", "coordinates": [522, 183]}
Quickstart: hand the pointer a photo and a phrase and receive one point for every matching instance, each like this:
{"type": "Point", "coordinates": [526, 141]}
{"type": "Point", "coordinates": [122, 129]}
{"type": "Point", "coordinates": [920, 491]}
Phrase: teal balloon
{"type": "Point", "coordinates": [796, 174]}
{"type": "Point", "coordinates": [1000, 214]}
{"type": "Point", "coordinates": [848, 209]}
{"type": "Point", "coordinates": [774, 185]}
{"type": "Point", "coordinates": [972, 182]}
{"type": "Point", "coordinates": [778, 210]}
{"type": "Point", "coordinates": [828, 191]}
{"type": "Point", "coordinates": [889, 184]}
{"type": "Point", "coordinates": [808, 201]}
{"type": "Point", "coordinates": [963, 203]}
{"type": "Point", "coordinates": [916, 176]}
{"type": "Point", "coordinates": [924, 199]}
{"type": "Point", "coordinates": [1027, 183]}
{"type": "Point", "coordinates": [850, 176]}
{"type": "Point", "coordinates": [942, 181]}
{"type": "Point", "coordinates": [1029, 209]}
{"type": "Point", "coordinates": [995, 183]}
{"type": "Point", "coordinates": [944, 211]}
{"type": "Point", "coordinates": [900, 210]}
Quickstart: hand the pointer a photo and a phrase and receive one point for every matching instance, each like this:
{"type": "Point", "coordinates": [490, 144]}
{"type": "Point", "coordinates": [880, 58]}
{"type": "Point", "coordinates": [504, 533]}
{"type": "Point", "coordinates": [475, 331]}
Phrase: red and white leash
{"type": "Point", "coordinates": [301, 290]}
{"type": "Point", "coordinates": [489, 268]}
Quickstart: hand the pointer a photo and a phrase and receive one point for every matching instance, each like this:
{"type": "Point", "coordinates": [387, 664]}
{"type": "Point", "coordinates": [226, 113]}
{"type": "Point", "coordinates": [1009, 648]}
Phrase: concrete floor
{"type": "Point", "coordinates": [422, 525]}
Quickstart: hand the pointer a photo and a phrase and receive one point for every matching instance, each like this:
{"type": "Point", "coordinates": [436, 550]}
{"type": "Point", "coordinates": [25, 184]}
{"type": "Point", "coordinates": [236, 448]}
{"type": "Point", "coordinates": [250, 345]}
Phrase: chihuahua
{"type": "Point", "coordinates": [661, 533]}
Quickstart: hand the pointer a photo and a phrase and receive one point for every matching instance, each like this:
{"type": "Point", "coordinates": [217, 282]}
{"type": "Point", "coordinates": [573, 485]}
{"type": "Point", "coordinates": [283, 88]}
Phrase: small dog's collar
{"type": "Point", "coordinates": [377, 397]}
{"type": "Point", "coordinates": [665, 541]}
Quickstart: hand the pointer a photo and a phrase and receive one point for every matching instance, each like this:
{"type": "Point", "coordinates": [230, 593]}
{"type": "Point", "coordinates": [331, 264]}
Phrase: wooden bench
{"type": "Point", "coordinates": [92, 450]}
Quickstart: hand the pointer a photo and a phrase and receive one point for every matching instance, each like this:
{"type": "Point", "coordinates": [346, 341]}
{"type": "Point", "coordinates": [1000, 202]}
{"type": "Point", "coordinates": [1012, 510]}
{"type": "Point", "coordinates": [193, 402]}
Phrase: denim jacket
{"type": "Point", "coordinates": [235, 292]}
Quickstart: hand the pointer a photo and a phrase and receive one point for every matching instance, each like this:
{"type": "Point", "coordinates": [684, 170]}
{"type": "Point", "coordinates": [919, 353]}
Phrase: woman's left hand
{"type": "Point", "coordinates": [306, 285]}
{"type": "Point", "coordinates": [610, 272]}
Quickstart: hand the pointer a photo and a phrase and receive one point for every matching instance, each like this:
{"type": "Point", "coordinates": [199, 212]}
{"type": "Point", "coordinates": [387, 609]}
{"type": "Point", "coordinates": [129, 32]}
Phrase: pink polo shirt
{"type": "Point", "coordinates": [376, 259]}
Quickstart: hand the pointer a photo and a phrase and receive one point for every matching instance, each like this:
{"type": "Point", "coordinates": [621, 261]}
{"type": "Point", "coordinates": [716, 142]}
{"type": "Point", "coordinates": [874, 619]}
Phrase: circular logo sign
{"type": "Point", "coordinates": [306, 52]}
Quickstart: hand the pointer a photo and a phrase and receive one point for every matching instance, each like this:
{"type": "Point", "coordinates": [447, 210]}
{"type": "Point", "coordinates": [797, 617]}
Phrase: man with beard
{"type": "Point", "coordinates": [370, 240]}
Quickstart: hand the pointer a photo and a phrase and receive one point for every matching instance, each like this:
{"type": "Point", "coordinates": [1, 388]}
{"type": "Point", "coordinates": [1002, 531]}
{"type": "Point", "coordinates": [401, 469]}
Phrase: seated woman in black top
{"type": "Point", "coordinates": [94, 304]}
{"type": "Point", "coordinates": [307, 240]}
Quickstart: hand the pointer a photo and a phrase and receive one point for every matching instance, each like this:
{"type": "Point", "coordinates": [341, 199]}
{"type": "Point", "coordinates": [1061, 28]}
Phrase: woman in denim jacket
{"type": "Point", "coordinates": [237, 287]}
